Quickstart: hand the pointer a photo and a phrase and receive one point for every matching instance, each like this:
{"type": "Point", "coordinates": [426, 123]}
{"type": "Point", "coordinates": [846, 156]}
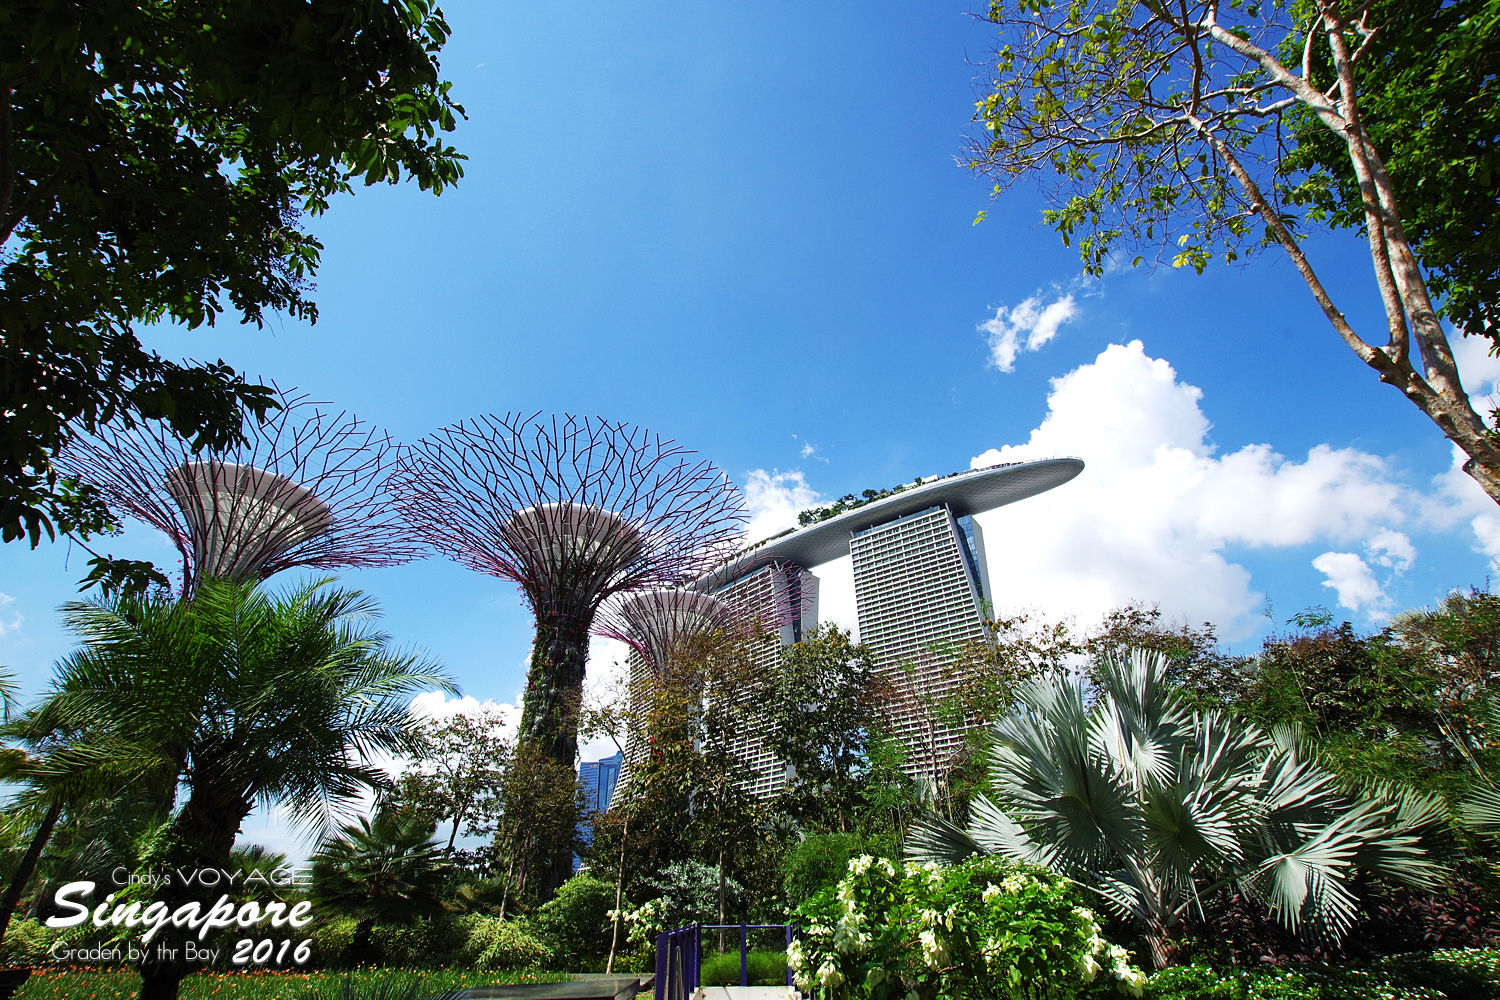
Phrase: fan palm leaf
{"type": "Point", "coordinates": [1153, 805]}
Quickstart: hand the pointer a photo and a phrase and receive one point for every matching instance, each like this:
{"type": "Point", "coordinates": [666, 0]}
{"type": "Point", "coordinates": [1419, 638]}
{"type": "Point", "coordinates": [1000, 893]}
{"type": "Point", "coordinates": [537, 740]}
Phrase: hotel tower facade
{"type": "Point", "coordinates": [920, 573]}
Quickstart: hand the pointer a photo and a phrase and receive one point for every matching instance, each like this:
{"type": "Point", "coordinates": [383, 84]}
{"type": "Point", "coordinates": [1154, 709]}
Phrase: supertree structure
{"type": "Point", "coordinates": [306, 488]}
{"type": "Point", "coordinates": [574, 510]}
{"type": "Point", "coordinates": [708, 645]}
{"type": "Point", "coordinates": [657, 624]}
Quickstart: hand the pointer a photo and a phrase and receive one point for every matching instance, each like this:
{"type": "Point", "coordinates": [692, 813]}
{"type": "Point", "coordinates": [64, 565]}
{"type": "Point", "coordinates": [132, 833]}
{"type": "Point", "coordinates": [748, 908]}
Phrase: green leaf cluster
{"type": "Point", "coordinates": [156, 159]}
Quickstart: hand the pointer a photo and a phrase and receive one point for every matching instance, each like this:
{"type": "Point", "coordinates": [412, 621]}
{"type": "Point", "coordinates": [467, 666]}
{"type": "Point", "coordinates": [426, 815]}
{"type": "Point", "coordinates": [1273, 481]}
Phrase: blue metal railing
{"type": "Point", "coordinates": [679, 957]}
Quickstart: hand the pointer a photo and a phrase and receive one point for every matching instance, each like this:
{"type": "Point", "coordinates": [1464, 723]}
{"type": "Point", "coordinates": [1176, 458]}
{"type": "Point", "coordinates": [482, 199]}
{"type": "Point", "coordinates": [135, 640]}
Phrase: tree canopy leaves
{"type": "Point", "coordinates": [156, 160]}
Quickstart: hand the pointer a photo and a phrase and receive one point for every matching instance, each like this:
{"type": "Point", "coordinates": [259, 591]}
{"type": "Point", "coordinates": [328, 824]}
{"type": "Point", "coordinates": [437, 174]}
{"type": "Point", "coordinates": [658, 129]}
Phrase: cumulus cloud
{"type": "Point", "coordinates": [1352, 579]}
{"type": "Point", "coordinates": [1027, 326]}
{"type": "Point", "coordinates": [10, 621]}
{"type": "Point", "coordinates": [605, 686]}
{"type": "Point", "coordinates": [1156, 508]}
{"type": "Point", "coordinates": [1457, 497]}
{"type": "Point", "coordinates": [1392, 549]}
{"type": "Point", "coordinates": [774, 500]}
{"type": "Point", "coordinates": [437, 706]}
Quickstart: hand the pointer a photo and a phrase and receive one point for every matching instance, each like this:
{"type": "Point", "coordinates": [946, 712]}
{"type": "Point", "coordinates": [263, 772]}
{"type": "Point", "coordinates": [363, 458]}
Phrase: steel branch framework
{"type": "Point", "coordinates": [306, 488]}
{"type": "Point", "coordinates": [573, 510]}
{"type": "Point", "coordinates": [658, 623]}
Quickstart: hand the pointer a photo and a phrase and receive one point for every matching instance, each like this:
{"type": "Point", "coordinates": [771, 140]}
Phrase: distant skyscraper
{"type": "Point", "coordinates": [598, 778]}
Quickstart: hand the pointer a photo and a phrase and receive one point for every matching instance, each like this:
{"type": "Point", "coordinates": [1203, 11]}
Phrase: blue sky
{"type": "Point", "coordinates": [743, 226]}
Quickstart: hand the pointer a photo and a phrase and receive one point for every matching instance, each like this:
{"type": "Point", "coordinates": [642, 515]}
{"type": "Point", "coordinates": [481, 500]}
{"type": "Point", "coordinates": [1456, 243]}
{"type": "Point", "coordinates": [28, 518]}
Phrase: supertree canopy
{"type": "Point", "coordinates": [573, 510]}
{"type": "Point", "coordinates": [657, 624]}
{"type": "Point", "coordinates": [306, 488]}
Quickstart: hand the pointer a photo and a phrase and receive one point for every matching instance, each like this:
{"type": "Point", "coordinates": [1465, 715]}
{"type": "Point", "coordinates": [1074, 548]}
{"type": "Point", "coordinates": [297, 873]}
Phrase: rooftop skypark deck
{"type": "Point", "coordinates": [964, 493]}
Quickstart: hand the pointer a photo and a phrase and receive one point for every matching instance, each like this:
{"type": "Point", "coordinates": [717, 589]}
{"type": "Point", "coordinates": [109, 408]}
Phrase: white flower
{"type": "Point", "coordinates": [829, 975]}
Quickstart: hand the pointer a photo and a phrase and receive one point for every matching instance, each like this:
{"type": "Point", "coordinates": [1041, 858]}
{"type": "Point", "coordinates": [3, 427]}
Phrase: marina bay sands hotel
{"type": "Point", "coordinates": [921, 570]}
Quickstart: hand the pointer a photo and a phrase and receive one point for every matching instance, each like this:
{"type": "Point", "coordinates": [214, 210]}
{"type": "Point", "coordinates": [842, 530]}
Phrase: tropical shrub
{"type": "Point", "coordinates": [1454, 974]}
{"type": "Point", "coordinates": [986, 928]}
{"type": "Point", "coordinates": [331, 937]}
{"type": "Point", "coordinates": [1155, 806]}
{"type": "Point", "coordinates": [426, 942]}
{"type": "Point", "coordinates": [822, 859]}
{"type": "Point", "coordinates": [493, 943]}
{"type": "Point", "coordinates": [686, 893]}
{"type": "Point", "coordinates": [386, 871]}
{"type": "Point", "coordinates": [576, 921]}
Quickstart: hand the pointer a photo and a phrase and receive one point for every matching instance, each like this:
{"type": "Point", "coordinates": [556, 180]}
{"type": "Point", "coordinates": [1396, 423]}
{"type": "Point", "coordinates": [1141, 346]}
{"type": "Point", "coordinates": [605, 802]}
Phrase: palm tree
{"type": "Point", "coordinates": [1154, 807]}
{"type": "Point", "coordinates": [61, 774]}
{"type": "Point", "coordinates": [388, 870]}
{"type": "Point", "coordinates": [251, 697]}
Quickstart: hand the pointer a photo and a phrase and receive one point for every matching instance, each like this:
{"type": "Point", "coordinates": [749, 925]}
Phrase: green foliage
{"type": "Point", "coordinates": [1429, 94]}
{"type": "Point", "coordinates": [762, 968]}
{"type": "Point", "coordinates": [1153, 805]}
{"type": "Point", "coordinates": [245, 695]}
{"type": "Point", "coordinates": [47, 984]}
{"type": "Point", "coordinates": [460, 775]}
{"type": "Point", "coordinates": [385, 870]}
{"type": "Point", "coordinates": [822, 712]}
{"type": "Point", "coordinates": [982, 929]}
{"type": "Point", "coordinates": [1457, 974]}
{"type": "Point", "coordinates": [576, 921]}
{"type": "Point", "coordinates": [688, 892]}
{"type": "Point", "coordinates": [422, 942]}
{"type": "Point", "coordinates": [822, 859]}
{"type": "Point", "coordinates": [155, 160]}
{"type": "Point", "coordinates": [493, 943]}
{"type": "Point", "coordinates": [1160, 132]}
{"type": "Point", "coordinates": [331, 937]}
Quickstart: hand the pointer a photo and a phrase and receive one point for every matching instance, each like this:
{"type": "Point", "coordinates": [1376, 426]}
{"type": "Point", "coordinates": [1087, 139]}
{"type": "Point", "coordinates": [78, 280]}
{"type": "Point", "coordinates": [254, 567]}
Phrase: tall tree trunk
{"type": "Point", "coordinates": [614, 936]}
{"type": "Point", "coordinates": [549, 718]}
{"type": "Point", "coordinates": [200, 838]}
{"type": "Point", "coordinates": [28, 864]}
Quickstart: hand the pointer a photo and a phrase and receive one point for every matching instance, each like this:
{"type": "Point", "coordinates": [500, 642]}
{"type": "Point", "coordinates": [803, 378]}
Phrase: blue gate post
{"type": "Point", "coordinates": [789, 983]}
{"type": "Point", "coordinates": [744, 959]}
{"type": "Point", "coordinates": [694, 980]}
{"type": "Point", "coordinates": [662, 943]}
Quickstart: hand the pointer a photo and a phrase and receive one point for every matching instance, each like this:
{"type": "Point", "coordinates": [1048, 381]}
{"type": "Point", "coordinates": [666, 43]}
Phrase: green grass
{"type": "Point", "coordinates": [124, 984]}
{"type": "Point", "coordinates": [766, 968]}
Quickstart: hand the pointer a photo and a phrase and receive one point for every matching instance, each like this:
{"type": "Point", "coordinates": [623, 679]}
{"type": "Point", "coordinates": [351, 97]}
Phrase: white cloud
{"type": "Point", "coordinates": [808, 448]}
{"type": "Point", "coordinates": [10, 621]}
{"type": "Point", "coordinates": [1027, 326]}
{"type": "Point", "coordinates": [1392, 549]}
{"type": "Point", "coordinates": [1155, 509]}
{"type": "Point", "coordinates": [604, 686]}
{"type": "Point", "coordinates": [1458, 497]}
{"type": "Point", "coordinates": [1478, 370]}
{"type": "Point", "coordinates": [438, 706]}
{"type": "Point", "coordinates": [1354, 582]}
{"type": "Point", "coordinates": [774, 500]}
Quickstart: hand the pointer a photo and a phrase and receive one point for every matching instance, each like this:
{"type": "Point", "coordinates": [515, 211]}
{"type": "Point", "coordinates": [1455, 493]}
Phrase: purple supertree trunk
{"type": "Point", "coordinates": [306, 488]}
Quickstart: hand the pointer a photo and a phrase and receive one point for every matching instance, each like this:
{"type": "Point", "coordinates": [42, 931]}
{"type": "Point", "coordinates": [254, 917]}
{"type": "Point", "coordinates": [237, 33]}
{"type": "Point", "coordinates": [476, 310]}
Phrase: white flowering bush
{"type": "Point", "coordinates": [983, 929]}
